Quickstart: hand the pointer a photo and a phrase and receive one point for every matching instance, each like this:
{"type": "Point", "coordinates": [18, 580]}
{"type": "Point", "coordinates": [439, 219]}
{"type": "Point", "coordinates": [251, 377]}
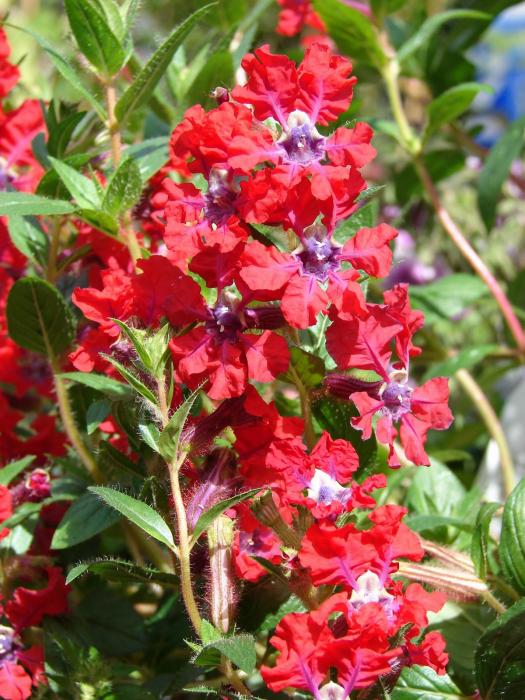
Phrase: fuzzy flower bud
{"type": "Point", "coordinates": [223, 597]}
{"type": "Point", "coordinates": [342, 386]}
{"type": "Point", "coordinates": [215, 486]}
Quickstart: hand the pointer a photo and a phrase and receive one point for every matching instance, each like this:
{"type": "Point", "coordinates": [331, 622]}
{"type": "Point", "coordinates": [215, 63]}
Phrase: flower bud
{"type": "Point", "coordinates": [266, 317]}
{"type": "Point", "coordinates": [223, 596]}
{"type": "Point", "coordinates": [342, 386]}
{"type": "Point", "coordinates": [216, 485]}
{"type": "Point", "coordinates": [266, 513]}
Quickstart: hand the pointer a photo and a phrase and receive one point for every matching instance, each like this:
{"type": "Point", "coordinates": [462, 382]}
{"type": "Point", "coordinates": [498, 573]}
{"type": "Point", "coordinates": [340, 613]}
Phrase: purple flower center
{"type": "Point", "coordinates": [324, 490]}
{"type": "Point", "coordinates": [223, 324]}
{"type": "Point", "coordinates": [8, 645]}
{"type": "Point", "coordinates": [396, 399]}
{"type": "Point", "coordinates": [252, 542]}
{"type": "Point", "coordinates": [319, 257]}
{"type": "Point", "coordinates": [220, 199]}
{"type": "Point", "coordinates": [303, 144]}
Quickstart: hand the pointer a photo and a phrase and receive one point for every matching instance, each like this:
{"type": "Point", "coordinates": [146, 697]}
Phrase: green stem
{"type": "Point", "coordinates": [493, 425]}
{"type": "Point", "coordinates": [68, 421]}
{"type": "Point", "coordinates": [306, 408]}
{"type": "Point", "coordinates": [184, 547]}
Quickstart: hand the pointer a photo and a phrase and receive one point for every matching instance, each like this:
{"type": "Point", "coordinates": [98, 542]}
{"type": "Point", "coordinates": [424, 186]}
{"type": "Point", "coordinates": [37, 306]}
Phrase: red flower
{"type": "Point", "coordinates": [297, 14]}
{"type": "Point", "coordinates": [29, 606]}
{"type": "Point", "coordinates": [311, 278]}
{"type": "Point", "coordinates": [9, 74]}
{"type": "Point", "coordinates": [6, 508]}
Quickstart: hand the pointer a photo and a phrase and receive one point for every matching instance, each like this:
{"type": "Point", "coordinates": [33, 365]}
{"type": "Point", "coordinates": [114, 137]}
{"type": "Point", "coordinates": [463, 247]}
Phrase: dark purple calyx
{"type": "Point", "coordinates": [301, 142]}
{"type": "Point", "coordinates": [319, 256]}
{"type": "Point", "coordinates": [33, 489]}
{"type": "Point", "coordinates": [224, 323]}
{"type": "Point", "coordinates": [343, 386]}
{"type": "Point", "coordinates": [396, 399]}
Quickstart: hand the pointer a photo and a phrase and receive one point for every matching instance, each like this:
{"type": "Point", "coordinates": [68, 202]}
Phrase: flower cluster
{"type": "Point", "coordinates": [248, 253]}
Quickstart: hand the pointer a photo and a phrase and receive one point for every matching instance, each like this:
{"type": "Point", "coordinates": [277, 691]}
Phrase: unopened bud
{"type": "Point", "coordinates": [266, 513]}
{"type": "Point", "coordinates": [216, 485]}
{"type": "Point", "coordinates": [220, 95]}
{"type": "Point", "coordinates": [343, 386]}
{"type": "Point", "coordinates": [266, 317]}
{"type": "Point", "coordinates": [223, 596]}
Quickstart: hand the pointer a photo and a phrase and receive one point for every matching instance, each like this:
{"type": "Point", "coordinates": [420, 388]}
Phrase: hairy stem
{"type": "Point", "coordinates": [68, 421]}
{"type": "Point", "coordinates": [184, 548]}
{"type": "Point", "coordinates": [493, 425]}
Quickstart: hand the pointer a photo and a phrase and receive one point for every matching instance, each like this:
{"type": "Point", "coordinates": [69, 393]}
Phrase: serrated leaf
{"type": "Point", "coordinates": [79, 186]}
{"type": "Point", "coordinates": [451, 104]}
{"type": "Point", "coordinates": [496, 169]}
{"type": "Point", "coordinates": [87, 517]}
{"type": "Point", "coordinates": [94, 37]}
{"type": "Point", "coordinates": [420, 682]}
{"type": "Point", "coordinates": [146, 81]}
{"type": "Point", "coordinates": [11, 470]}
{"type": "Point", "coordinates": [430, 27]}
{"type": "Point", "coordinates": [479, 546]}
{"type": "Point", "coordinates": [106, 385]}
{"type": "Point", "coordinates": [38, 318]}
{"type": "Point", "coordinates": [136, 338]}
{"type": "Point", "coordinates": [354, 34]}
{"type": "Point", "coordinates": [500, 656]}
{"type": "Point", "coordinates": [240, 649]}
{"type": "Point", "coordinates": [28, 237]}
{"type": "Point", "coordinates": [132, 380]}
{"type": "Point", "coordinates": [25, 204]}
{"type": "Point", "coordinates": [169, 439]}
{"type": "Point", "coordinates": [138, 512]}
{"type": "Point", "coordinates": [207, 518]}
{"type": "Point", "coordinates": [124, 188]}
{"type": "Point", "coordinates": [150, 434]}
{"type": "Point", "coordinates": [512, 543]}
{"type": "Point", "coordinates": [121, 570]}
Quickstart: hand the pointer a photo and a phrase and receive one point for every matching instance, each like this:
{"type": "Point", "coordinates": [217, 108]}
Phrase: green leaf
{"type": "Point", "coordinates": [25, 204]}
{"type": "Point", "coordinates": [81, 188]}
{"type": "Point", "coordinates": [85, 518]}
{"type": "Point", "coordinates": [500, 657]}
{"type": "Point", "coordinates": [94, 37]}
{"type": "Point", "coordinates": [479, 546]}
{"type": "Point", "coordinates": [28, 237]}
{"type": "Point", "coordinates": [422, 683]}
{"type": "Point", "coordinates": [435, 491]}
{"type": "Point", "coordinates": [465, 359]}
{"type": "Point", "coordinates": [61, 134]}
{"type": "Point", "coordinates": [67, 71]}
{"type": "Point", "coordinates": [38, 318]}
{"type": "Point", "coordinates": [124, 188]}
{"type": "Point", "coordinates": [100, 220]}
{"type": "Point", "coordinates": [138, 512]}
{"type": "Point", "coordinates": [512, 543]}
{"type": "Point", "coordinates": [207, 518]}
{"type": "Point", "coordinates": [121, 570]}
{"type": "Point", "coordinates": [137, 338]}
{"type": "Point", "coordinates": [132, 380]}
{"type": "Point", "coordinates": [451, 104]}
{"type": "Point", "coordinates": [290, 605]}
{"type": "Point", "coordinates": [353, 33]}
{"type": "Point", "coordinates": [240, 649]}
{"type": "Point", "coordinates": [150, 435]}
{"type": "Point", "coordinates": [97, 412]}
{"type": "Point", "coordinates": [11, 470]}
{"type": "Point", "coordinates": [364, 217]}
{"type": "Point", "coordinates": [449, 296]}
{"type": "Point", "coordinates": [106, 385]}
{"type": "Point", "coordinates": [141, 89]}
{"type": "Point", "coordinates": [169, 439]}
{"type": "Point", "coordinates": [430, 27]}
{"type": "Point", "coordinates": [422, 523]}
{"type": "Point", "coordinates": [150, 155]}
{"type": "Point", "coordinates": [496, 170]}
{"type": "Point", "coordinates": [308, 368]}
